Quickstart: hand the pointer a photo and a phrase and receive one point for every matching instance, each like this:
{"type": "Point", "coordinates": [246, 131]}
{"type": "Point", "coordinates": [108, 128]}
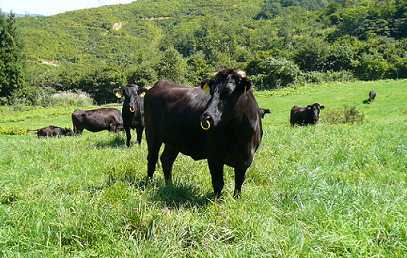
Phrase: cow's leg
{"type": "Point", "coordinates": [78, 131]}
{"type": "Point", "coordinates": [167, 160]}
{"type": "Point", "coordinates": [152, 156]}
{"type": "Point", "coordinates": [216, 169]}
{"type": "Point", "coordinates": [128, 135]}
{"type": "Point", "coordinates": [240, 175]}
{"type": "Point", "coordinates": [139, 130]}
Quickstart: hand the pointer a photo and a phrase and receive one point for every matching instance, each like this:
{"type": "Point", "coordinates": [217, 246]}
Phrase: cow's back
{"type": "Point", "coordinates": [97, 120]}
{"type": "Point", "coordinates": [172, 116]}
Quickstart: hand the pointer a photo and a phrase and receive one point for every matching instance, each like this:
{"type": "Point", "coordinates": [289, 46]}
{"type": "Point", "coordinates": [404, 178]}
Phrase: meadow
{"type": "Point", "coordinates": [330, 190]}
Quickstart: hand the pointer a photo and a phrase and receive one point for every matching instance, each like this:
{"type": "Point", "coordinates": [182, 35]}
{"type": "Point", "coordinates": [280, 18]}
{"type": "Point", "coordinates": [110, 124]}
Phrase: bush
{"type": "Point", "coordinates": [348, 115]}
{"type": "Point", "coordinates": [321, 77]}
{"type": "Point", "coordinates": [275, 73]}
{"type": "Point", "coordinates": [13, 130]}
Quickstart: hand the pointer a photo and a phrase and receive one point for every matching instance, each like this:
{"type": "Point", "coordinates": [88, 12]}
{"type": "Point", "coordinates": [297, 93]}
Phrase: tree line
{"type": "Point", "coordinates": [277, 42]}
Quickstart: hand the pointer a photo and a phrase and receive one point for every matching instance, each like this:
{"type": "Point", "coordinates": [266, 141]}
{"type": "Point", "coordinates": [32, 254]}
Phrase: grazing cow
{"type": "Point", "coordinates": [305, 115]}
{"type": "Point", "coordinates": [223, 127]}
{"type": "Point", "coordinates": [97, 120]}
{"type": "Point", "coordinates": [264, 111]}
{"type": "Point", "coordinates": [133, 111]}
{"type": "Point", "coordinates": [372, 95]}
{"type": "Point", "coordinates": [51, 130]}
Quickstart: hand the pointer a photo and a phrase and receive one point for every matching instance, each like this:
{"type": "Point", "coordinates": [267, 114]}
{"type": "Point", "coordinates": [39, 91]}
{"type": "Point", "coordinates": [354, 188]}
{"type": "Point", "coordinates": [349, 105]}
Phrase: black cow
{"type": "Point", "coordinates": [97, 120]}
{"type": "Point", "coordinates": [372, 95]}
{"type": "Point", "coordinates": [264, 111]}
{"type": "Point", "coordinates": [305, 115]}
{"type": "Point", "coordinates": [223, 127]}
{"type": "Point", "coordinates": [133, 111]}
{"type": "Point", "coordinates": [52, 130]}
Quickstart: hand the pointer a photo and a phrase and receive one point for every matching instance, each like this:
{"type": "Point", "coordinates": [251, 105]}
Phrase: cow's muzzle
{"type": "Point", "coordinates": [132, 109]}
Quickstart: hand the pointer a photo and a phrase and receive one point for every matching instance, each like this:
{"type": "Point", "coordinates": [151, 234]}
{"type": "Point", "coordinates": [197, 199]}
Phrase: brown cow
{"type": "Point", "coordinates": [52, 130]}
{"type": "Point", "coordinates": [305, 115]}
{"type": "Point", "coordinates": [97, 120]}
{"type": "Point", "coordinates": [372, 95]}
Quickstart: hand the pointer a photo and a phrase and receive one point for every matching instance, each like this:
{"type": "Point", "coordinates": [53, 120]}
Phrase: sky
{"type": "Point", "coordinates": [51, 7]}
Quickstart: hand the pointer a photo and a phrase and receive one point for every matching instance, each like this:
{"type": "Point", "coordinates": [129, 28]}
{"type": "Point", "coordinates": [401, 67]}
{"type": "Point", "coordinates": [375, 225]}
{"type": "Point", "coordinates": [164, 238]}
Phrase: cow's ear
{"type": "Point", "coordinates": [245, 85]}
{"type": "Point", "coordinates": [309, 107]}
{"type": "Point", "coordinates": [117, 92]}
{"type": "Point", "coordinates": [322, 107]}
{"type": "Point", "coordinates": [206, 85]}
{"type": "Point", "coordinates": [142, 91]}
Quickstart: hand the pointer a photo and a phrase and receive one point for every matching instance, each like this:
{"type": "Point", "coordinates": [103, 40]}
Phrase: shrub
{"type": "Point", "coordinates": [348, 115]}
{"type": "Point", "coordinates": [276, 73]}
{"type": "Point", "coordinates": [67, 98]}
{"type": "Point", "coordinates": [13, 130]}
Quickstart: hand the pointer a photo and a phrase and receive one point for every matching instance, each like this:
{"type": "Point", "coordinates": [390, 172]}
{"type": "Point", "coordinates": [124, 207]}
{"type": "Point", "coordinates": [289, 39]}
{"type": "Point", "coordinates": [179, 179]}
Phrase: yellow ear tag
{"type": "Point", "coordinates": [207, 89]}
{"type": "Point", "coordinates": [245, 91]}
{"type": "Point", "coordinates": [309, 108]}
{"type": "Point", "coordinates": [118, 95]}
{"type": "Point", "coordinates": [144, 93]}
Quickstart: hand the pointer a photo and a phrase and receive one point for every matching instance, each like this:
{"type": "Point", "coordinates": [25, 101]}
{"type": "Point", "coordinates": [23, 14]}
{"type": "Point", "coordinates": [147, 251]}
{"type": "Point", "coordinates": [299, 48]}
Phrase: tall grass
{"type": "Point", "coordinates": [319, 191]}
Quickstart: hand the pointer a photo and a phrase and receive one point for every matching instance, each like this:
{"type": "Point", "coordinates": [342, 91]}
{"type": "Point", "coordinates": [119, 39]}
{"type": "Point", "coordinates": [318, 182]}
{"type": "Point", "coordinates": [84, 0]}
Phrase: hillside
{"type": "Point", "coordinates": [278, 43]}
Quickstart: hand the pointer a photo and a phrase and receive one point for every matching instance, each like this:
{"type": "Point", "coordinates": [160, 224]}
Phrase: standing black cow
{"type": "Point", "coordinates": [223, 127]}
{"type": "Point", "coordinates": [133, 111]}
{"type": "Point", "coordinates": [264, 111]}
{"type": "Point", "coordinates": [305, 115]}
{"type": "Point", "coordinates": [372, 95]}
{"type": "Point", "coordinates": [52, 130]}
{"type": "Point", "coordinates": [97, 120]}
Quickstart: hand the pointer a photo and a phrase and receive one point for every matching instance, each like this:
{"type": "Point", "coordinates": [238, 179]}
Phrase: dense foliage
{"type": "Point", "coordinates": [278, 43]}
{"type": "Point", "coordinates": [11, 58]}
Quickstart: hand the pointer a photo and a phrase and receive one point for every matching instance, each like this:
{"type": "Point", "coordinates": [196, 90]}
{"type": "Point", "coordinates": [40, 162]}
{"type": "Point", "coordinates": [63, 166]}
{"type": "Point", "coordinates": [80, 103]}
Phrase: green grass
{"type": "Point", "coordinates": [316, 191]}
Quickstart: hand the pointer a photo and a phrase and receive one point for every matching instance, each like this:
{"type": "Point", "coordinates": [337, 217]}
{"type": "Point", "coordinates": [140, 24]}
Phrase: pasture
{"type": "Point", "coordinates": [330, 190]}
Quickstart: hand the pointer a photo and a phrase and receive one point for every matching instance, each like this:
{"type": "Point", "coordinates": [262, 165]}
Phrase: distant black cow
{"type": "Point", "coordinates": [52, 131]}
{"type": "Point", "coordinates": [264, 111]}
{"type": "Point", "coordinates": [97, 120]}
{"type": "Point", "coordinates": [372, 95]}
{"type": "Point", "coordinates": [133, 110]}
{"type": "Point", "coordinates": [223, 127]}
{"type": "Point", "coordinates": [305, 115]}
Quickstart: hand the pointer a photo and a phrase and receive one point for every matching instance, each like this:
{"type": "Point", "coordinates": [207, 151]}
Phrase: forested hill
{"type": "Point", "coordinates": [278, 43]}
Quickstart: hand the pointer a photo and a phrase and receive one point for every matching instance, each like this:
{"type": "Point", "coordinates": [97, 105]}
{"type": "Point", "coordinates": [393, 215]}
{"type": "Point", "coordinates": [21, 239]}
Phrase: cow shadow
{"type": "Point", "coordinates": [182, 195]}
{"type": "Point", "coordinates": [112, 142]}
{"type": "Point", "coordinates": [366, 101]}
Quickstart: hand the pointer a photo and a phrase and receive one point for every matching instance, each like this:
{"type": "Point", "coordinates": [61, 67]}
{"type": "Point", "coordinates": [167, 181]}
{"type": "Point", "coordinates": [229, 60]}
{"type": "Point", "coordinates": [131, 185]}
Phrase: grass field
{"type": "Point", "coordinates": [330, 190]}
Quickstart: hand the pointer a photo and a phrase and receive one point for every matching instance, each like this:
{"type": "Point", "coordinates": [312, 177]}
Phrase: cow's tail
{"type": "Point", "coordinates": [31, 131]}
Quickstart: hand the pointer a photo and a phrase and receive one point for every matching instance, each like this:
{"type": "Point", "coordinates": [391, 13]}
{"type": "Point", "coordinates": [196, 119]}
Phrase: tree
{"type": "Point", "coordinates": [172, 66]}
{"type": "Point", "coordinates": [11, 58]}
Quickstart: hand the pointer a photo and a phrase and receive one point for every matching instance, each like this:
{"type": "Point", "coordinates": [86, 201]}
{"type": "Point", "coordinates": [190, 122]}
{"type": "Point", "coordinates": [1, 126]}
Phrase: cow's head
{"type": "Point", "coordinates": [228, 87]}
{"type": "Point", "coordinates": [315, 109]}
{"type": "Point", "coordinates": [264, 111]}
{"type": "Point", "coordinates": [132, 94]}
{"type": "Point", "coordinates": [68, 132]}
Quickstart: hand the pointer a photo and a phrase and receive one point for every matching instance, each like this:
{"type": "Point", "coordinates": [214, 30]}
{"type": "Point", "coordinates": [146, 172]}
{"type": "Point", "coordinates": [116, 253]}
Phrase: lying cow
{"type": "Point", "coordinates": [97, 120]}
{"type": "Point", "coordinates": [133, 110]}
{"type": "Point", "coordinates": [264, 111]}
{"type": "Point", "coordinates": [305, 115]}
{"type": "Point", "coordinates": [52, 131]}
{"type": "Point", "coordinates": [223, 127]}
{"type": "Point", "coordinates": [372, 95]}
